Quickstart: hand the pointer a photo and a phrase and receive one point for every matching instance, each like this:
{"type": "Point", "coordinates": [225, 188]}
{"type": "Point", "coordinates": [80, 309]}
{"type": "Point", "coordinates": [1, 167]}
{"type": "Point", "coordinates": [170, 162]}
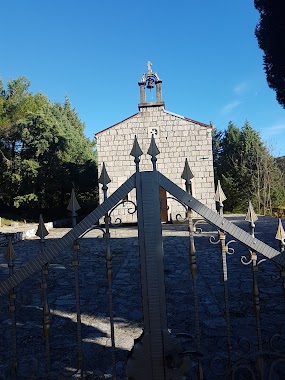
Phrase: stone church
{"type": "Point", "coordinates": [177, 137]}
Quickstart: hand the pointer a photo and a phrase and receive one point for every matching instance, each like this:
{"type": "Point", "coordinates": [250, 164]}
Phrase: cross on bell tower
{"type": "Point", "coordinates": [148, 81]}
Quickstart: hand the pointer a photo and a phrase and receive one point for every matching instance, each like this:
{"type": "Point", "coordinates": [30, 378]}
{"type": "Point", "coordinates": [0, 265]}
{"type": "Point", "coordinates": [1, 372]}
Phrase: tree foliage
{"type": "Point", "coordinates": [247, 170]}
{"type": "Point", "coordinates": [270, 33]}
{"type": "Point", "coordinates": [43, 150]}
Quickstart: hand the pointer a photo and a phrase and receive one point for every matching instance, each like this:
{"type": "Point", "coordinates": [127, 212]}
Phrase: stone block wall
{"type": "Point", "coordinates": [176, 137]}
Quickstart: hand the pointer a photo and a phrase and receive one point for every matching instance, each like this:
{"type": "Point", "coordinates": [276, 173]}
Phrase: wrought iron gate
{"type": "Point", "coordinates": [157, 354]}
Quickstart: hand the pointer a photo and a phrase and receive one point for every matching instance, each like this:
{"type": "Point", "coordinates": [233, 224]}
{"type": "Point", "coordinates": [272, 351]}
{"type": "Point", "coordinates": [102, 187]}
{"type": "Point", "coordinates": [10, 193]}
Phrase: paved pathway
{"type": "Point", "coordinates": [127, 301]}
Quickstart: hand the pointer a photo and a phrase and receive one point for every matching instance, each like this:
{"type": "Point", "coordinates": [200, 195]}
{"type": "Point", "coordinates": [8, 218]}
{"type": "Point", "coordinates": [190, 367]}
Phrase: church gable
{"type": "Point", "coordinates": [177, 138]}
{"type": "Point", "coordinates": [175, 135]}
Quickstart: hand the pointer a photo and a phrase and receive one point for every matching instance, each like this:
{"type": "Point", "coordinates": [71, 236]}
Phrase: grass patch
{"type": "Point", "coordinates": [9, 222]}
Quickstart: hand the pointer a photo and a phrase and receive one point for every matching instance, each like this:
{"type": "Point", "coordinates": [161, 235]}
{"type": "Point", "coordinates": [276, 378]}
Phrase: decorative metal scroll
{"type": "Point", "coordinates": [178, 217]}
{"type": "Point", "coordinates": [221, 222]}
{"type": "Point", "coordinates": [132, 208]}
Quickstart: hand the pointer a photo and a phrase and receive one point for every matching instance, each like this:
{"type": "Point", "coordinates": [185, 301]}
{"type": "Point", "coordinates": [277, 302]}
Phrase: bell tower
{"type": "Point", "coordinates": [147, 83]}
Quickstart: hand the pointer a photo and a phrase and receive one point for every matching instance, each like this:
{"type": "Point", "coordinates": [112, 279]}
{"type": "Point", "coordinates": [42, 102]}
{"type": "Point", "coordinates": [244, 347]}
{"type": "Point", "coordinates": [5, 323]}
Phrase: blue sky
{"type": "Point", "coordinates": [95, 52]}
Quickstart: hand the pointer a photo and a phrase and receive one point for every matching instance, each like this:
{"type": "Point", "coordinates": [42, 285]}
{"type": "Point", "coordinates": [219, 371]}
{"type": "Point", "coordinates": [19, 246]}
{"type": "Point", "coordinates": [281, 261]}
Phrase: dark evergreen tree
{"type": "Point", "coordinates": [247, 171]}
{"type": "Point", "coordinates": [270, 33]}
{"type": "Point", "coordinates": [228, 166]}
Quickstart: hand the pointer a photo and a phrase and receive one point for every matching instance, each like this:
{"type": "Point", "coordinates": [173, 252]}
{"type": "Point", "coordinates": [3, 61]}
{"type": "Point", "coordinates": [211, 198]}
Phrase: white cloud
{"type": "Point", "coordinates": [240, 88]}
{"type": "Point", "coordinates": [273, 130]}
{"type": "Point", "coordinates": [230, 106]}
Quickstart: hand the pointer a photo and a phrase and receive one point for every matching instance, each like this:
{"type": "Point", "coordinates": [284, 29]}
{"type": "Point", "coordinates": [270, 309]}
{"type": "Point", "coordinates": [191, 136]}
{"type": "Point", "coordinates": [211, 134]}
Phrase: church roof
{"type": "Point", "coordinates": [168, 112]}
{"type": "Point", "coordinates": [105, 129]}
{"type": "Point", "coordinates": [188, 119]}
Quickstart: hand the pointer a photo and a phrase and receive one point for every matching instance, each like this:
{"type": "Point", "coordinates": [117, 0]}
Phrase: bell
{"type": "Point", "coordinates": [149, 84]}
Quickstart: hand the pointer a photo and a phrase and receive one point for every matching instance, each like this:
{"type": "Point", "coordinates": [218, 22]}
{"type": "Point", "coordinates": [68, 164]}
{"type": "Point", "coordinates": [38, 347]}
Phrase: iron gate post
{"type": "Point", "coordinates": [156, 355]}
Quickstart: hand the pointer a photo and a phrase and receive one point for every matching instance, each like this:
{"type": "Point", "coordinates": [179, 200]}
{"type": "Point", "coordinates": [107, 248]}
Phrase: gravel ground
{"type": "Point", "coordinates": [96, 341]}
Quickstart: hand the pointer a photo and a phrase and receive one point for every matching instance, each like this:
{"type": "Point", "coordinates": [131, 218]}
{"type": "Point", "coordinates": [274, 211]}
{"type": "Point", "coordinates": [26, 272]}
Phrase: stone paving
{"type": "Point", "coordinates": [127, 302]}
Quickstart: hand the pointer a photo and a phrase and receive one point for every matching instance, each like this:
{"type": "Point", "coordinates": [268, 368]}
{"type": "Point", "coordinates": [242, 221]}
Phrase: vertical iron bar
{"type": "Point", "coordinates": [193, 269]}
{"type": "Point", "coordinates": [41, 233]}
{"type": "Point", "coordinates": [282, 269]}
{"type": "Point", "coordinates": [46, 312]}
{"type": "Point", "coordinates": [256, 304]}
{"type": "Point", "coordinates": [282, 274]}
{"type": "Point", "coordinates": [110, 280]}
{"type": "Point", "coordinates": [73, 206]}
{"type": "Point", "coordinates": [12, 309]}
{"type": "Point", "coordinates": [224, 250]}
{"type": "Point", "coordinates": [280, 235]}
{"type": "Point", "coordinates": [220, 197]}
{"type": "Point", "coordinates": [251, 217]}
{"type": "Point", "coordinates": [75, 265]}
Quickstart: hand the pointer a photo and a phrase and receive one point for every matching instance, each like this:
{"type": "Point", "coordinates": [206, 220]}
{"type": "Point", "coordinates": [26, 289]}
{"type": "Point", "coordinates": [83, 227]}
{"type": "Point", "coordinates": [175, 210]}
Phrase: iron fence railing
{"type": "Point", "coordinates": [194, 303]}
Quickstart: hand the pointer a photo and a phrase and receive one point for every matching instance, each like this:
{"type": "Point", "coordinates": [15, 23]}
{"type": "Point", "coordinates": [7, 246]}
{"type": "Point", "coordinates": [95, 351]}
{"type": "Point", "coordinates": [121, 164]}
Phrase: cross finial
{"type": "Point", "coordinates": [149, 64]}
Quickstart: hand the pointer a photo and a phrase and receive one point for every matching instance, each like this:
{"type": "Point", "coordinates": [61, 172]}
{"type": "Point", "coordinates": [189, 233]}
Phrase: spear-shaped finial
{"type": "Point", "coordinates": [153, 151]}
{"type": "Point", "coordinates": [10, 256]}
{"type": "Point", "coordinates": [280, 235]}
{"type": "Point", "coordinates": [187, 175]}
{"type": "Point", "coordinates": [251, 217]}
{"type": "Point", "coordinates": [73, 206]}
{"type": "Point", "coordinates": [42, 232]}
{"type": "Point", "coordinates": [136, 152]}
{"type": "Point", "coordinates": [220, 198]}
{"type": "Point", "coordinates": [104, 179]}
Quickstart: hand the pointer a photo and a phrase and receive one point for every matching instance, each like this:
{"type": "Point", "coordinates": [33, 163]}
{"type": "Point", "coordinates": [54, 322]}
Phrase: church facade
{"type": "Point", "coordinates": [177, 137]}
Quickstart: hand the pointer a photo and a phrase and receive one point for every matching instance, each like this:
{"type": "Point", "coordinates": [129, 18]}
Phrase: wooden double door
{"type": "Point", "coordinates": [163, 205]}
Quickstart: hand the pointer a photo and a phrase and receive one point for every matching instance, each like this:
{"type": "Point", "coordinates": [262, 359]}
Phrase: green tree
{"type": "Point", "coordinates": [16, 103]}
{"type": "Point", "coordinates": [216, 146]}
{"type": "Point", "coordinates": [228, 165]}
{"type": "Point", "coordinates": [44, 150]}
{"type": "Point", "coordinates": [248, 171]}
{"type": "Point", "coordinates": [270, 33]}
